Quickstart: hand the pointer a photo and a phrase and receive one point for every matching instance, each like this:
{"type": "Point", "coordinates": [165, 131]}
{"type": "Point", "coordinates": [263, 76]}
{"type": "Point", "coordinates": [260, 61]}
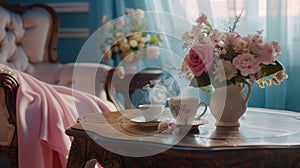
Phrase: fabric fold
{"type": "Point", "coordinates": [44, 112]}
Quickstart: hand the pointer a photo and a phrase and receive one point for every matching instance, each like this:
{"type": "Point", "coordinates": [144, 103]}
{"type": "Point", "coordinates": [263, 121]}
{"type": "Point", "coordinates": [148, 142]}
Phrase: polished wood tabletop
{"type": "Point", "coordinates": [265, 138]}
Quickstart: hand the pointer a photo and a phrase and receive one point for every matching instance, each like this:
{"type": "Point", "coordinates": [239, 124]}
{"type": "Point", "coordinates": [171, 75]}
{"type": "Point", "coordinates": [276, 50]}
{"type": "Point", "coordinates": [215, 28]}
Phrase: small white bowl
{"type": "Point", "coordinates": [151, 111]}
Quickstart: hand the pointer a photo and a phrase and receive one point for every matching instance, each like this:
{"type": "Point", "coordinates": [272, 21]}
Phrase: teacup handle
{"type": "Point", "coordinates": [204, 111]}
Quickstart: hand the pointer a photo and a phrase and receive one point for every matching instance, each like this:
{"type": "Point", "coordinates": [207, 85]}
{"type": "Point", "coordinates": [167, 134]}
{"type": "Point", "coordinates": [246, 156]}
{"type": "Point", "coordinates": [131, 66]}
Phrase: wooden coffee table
{"type": "Point", "coordinates": [266, 138]}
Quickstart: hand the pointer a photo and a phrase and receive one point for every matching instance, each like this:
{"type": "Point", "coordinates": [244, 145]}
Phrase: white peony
{"type": "Point", "coordinates": [133, 43]}
{"type": "Point", "coordinates": [138, 14]}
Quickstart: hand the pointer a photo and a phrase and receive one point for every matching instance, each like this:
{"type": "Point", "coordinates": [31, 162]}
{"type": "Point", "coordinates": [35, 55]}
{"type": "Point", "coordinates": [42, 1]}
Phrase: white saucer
{"type": "Point", "coordinates": [141, 120]}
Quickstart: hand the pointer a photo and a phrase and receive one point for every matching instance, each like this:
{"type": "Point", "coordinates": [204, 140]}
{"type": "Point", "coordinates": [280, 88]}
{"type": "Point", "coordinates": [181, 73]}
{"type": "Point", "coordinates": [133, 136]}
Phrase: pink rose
{"type": "Point", "coordinates": [224, 70]}
{"type": "Point", "coordinates": [265, 54]}
{"type": "Point", "coordinates": [120, 23]}
{"type": "Point", "coordinates": [247, 64]}
{"type": "Point", "coordinates": [254, 40]}
{"type": "Point", "coordinates": [231, 38]}
{"type": "Point", "coordinates": [202, 19]}
{"type": "Point", "coordinates": [276, 49]}
{"type": "Point", "coordinates": [153, 51]}
{"type": "Point", "coordinates": [129, 11]}
{"type": "Point", "coordinates": [201, 58]}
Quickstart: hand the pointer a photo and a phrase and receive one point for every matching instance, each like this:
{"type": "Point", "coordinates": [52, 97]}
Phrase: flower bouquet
{"type": "Point", "coordinates": [128, 38]}
{"type": "Point", "coordinates": [229, 61]}
{"type": "Point", "coordinates": [223, 58]}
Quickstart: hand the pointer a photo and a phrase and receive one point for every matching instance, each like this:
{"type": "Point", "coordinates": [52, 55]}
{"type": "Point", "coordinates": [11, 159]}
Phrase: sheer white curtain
{"type": "Point", "coordinates": [170, 19]}
{"type": "Point", "coordinates": [280, 21]}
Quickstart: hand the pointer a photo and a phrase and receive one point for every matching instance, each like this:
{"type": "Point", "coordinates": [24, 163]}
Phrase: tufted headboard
{"type": "Point", "coordinates": [28, 36]}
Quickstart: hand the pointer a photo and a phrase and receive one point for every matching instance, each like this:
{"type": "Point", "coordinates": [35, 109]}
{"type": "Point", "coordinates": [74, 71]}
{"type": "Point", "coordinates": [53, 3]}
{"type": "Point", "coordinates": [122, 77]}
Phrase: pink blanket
{"type": "Point", "coordinates": [44, 112]}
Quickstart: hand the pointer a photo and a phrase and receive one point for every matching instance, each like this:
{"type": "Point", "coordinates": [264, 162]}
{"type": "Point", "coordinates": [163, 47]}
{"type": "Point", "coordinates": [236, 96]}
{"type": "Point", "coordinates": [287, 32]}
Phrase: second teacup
{"type": "Point", "coordinates": [151, 112]}
{"type": "Point", "coordinates": [184, 110]}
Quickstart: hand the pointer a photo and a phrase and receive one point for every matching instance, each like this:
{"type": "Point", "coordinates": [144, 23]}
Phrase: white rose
{"type": "Point", "coordinates": [141, 45]}
{"type": "Point", "coordinates": [138, 14]}
{"type": "Point", "coordinates": [124, 47]}
{"type": "Point", "coordinates": [133, 43]}
{"type": "Point", "coordinates": [136, 37]}
{"type": "Point", "coordinates": [123, 41]}
{"type": "Point", "coordinates": [144, 39]}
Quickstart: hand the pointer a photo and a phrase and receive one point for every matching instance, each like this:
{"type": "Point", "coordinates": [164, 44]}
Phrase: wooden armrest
{"type": "Point", "coordinates": [9, 86]}
{"type": "Point", "coordinates": [9, 83]}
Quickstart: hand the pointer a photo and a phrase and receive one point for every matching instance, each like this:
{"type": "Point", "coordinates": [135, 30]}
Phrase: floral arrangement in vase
{"type": "Point", "coordinates": [127, 37]}
{"type": "Point", "coordinates": [222, 58]}
{"type": "Point", "coordinates": [229, 61]}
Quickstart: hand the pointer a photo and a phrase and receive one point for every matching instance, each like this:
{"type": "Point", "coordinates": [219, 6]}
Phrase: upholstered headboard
{"type": "Point", "coordinates": [28, 35]}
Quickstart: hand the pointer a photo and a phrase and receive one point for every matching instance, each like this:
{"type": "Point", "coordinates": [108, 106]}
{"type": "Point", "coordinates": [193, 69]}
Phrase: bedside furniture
{"type": "Point", "coordinates": [266, 138]}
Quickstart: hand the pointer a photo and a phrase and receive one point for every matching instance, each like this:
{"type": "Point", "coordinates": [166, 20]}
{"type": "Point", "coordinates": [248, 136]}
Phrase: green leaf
{"type": "Point", "coordinates": [200, 81]}
{"type": "Point", "coordinates": [270, 69]}
{"type": "Point", "coordinates": [230, 53]}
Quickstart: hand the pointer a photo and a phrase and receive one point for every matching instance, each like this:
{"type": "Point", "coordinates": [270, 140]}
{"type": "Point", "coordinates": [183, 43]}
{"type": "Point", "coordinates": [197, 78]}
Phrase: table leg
{"type": "Point", "coordinates": [104, 157]}
{"type": "Point", "coordinates": [77, 157]}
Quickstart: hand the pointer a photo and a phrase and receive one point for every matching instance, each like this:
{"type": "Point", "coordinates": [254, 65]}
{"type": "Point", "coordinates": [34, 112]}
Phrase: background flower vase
{"type": "Point", "coordinates": [128, 38]}
{"type": "Point", "coordinates": [228, 104]}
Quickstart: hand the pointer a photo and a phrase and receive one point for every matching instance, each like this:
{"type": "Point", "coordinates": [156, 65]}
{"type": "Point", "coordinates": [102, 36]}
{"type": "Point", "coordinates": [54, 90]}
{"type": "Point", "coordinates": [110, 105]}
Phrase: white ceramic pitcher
{"type": "Point", "coordinates": [229, 103]}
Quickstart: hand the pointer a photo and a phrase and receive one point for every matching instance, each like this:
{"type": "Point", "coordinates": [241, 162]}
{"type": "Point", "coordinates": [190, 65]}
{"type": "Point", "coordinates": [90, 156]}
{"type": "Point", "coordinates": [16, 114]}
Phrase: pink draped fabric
{"type": "Point", "coordinates": [44, 112]}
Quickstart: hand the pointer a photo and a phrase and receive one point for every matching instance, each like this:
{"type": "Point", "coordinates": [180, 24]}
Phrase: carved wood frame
{"type": "Point", "coordinates": [10, 85]}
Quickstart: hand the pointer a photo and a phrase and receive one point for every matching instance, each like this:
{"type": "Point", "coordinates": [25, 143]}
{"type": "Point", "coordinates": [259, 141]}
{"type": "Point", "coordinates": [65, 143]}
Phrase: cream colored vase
{"type": "Point", "coordinates": [228, 104]}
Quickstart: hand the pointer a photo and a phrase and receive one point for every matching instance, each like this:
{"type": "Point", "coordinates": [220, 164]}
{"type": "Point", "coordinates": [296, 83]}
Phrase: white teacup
{"type": "Point", "coordinates": [184, 109]}
{"type": "Point", "coordinates": [151, 112]}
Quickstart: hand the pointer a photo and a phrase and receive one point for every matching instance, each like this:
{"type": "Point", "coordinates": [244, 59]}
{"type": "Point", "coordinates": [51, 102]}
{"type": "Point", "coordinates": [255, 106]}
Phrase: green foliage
{"type": "Point", "coordinates": [200, 81]}
{"type": "Point", "coordinates": [271, 69]}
